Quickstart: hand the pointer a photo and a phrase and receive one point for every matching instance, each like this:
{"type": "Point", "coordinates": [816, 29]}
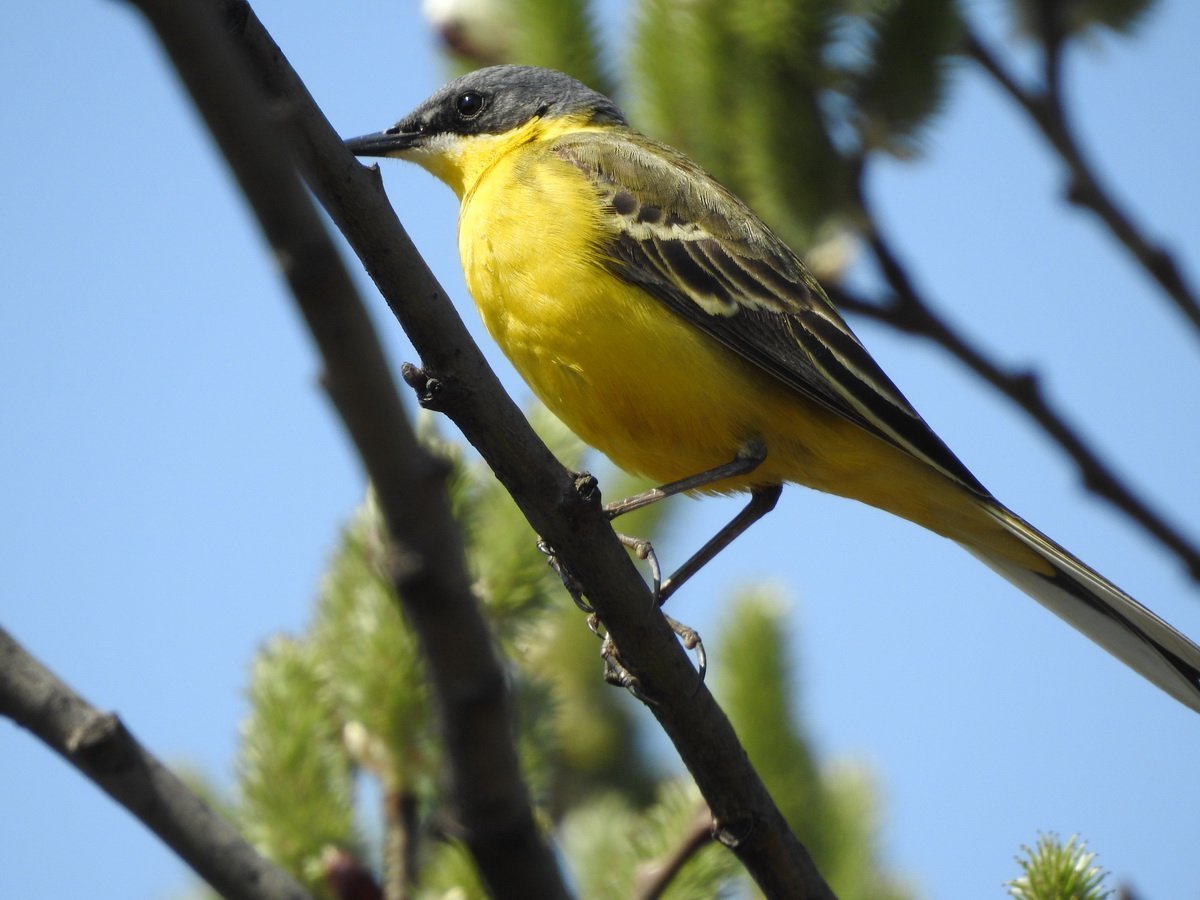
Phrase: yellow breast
{"type": "Point", "coordinates": [603, 356]}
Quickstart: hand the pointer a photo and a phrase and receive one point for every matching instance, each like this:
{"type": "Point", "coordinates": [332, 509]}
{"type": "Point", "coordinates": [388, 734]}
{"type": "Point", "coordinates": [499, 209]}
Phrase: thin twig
{"type": "Point", "coordinates": [100, 747]}
{"type": "Point", "coordinates": [908, 311]}
{"type": "Point", "coordinates": [653, 878]}
{"type": "Point", "coordinates": [348, 877]}
{"type": "Point", "coordinates": [457, 381]}
{"type": "Point", "coordinates": [400, 838]}
{"type": "Point", "coordinates": [1046, 108]}
{"type": "Point", "coordinates": [427, 565]}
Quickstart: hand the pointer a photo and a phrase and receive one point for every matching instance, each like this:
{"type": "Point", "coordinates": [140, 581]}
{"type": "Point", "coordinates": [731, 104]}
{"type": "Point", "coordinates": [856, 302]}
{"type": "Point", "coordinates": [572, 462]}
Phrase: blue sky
{"type": "Point", "coordinates": [173, 479]}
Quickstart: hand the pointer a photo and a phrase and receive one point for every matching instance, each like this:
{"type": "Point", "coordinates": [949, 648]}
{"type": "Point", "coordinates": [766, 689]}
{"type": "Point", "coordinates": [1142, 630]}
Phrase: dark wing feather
{"type": "Point", "coordinates": [692, 244]}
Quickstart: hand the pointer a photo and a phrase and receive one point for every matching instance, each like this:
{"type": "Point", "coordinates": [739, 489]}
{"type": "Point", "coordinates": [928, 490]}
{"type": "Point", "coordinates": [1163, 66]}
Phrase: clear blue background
{"type": "Point", "coordinates": [173, 480]}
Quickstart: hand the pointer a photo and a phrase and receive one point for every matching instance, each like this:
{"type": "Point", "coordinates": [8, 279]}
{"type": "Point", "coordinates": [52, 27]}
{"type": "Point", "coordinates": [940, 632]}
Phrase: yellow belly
{"type": "Point", "coordinates": [654, 394]}
{"type": "Point", "coordinates": [608, 360]}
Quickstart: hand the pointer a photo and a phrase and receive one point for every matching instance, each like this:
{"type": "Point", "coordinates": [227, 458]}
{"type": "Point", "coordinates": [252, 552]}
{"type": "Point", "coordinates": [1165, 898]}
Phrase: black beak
{"type": "Point", "coordinates": [383, 143]}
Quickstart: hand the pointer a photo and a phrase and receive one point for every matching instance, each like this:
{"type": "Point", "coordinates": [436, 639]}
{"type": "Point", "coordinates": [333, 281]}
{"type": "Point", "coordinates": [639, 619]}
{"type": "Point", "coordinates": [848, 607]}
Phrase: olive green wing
{"type": "Point", "coordinates": [693, 245]}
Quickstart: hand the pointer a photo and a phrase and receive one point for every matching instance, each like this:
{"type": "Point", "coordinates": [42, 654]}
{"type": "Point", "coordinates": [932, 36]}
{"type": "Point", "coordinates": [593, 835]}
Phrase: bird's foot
{"type": "Point", "coordinates": [644, 550]}
{"type": "Point", "coordinates": [569, 581]}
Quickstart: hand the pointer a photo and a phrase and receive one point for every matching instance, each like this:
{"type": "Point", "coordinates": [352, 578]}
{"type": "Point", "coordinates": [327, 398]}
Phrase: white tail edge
{"type": "Point", "coordinates": [1091, 603]}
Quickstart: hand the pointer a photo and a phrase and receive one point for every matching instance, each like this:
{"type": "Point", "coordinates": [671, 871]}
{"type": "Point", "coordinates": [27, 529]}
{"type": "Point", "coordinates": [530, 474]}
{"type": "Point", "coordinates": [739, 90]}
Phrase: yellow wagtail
{"type": "Point", "coordinates": [666, 325]}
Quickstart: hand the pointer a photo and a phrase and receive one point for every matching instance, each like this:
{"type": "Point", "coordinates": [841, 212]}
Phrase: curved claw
{"type": "Point", "coordinates": [614, 672]}
{"type": "Point", "coordinates": [594, 626]}
{"type": "Point", "coordinates": [643, 549]}
{"type": "Point", "coordinates": [569, 582]}
{"type": "Point", "coordinates": [691, 640]}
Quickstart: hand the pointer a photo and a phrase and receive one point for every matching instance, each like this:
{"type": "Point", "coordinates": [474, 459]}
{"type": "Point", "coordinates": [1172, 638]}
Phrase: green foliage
{"type": "Point", "coordinates": [754, 682]}
{"type": "Point", "coordinates": [450, 874]}
{"type": "Point", "coordinates": [559, 34]}
{"type": "Point", "coordinates": [849, 837]}
{"type": "Point", "coordinates": [685, 102]}
{"type": "Point", "coordinates": [1056, 871]}
{"type": "Point", "coordinates": [831, 812]}
{"type": "Point", "coordinates": [296, 791]}
{"type": "Point", "coordinates": [367, 662]}
{"type": "Point", "coordinates": [1079, 17]}
{"type": "Point", "coordinates": [615, 844]}
{"type": "Point", "coordinates": [903, 80]}
{"type": "Point", "coordinates": [347, 700]}
{"type": "Point", "coordinates": [793, 174]}
{"type": "Point", "coordinates": [739, 84]}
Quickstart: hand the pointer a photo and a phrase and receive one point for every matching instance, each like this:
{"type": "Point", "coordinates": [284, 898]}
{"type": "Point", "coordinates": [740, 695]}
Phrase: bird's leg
{"type": "Point", "coordinates": [748, 459]}
{"type": "Point", "coordinates": [762, 501]}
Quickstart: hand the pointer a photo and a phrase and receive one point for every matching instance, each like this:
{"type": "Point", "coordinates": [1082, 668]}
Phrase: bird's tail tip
{"type": "Point", "coordinates": [1095, 606]}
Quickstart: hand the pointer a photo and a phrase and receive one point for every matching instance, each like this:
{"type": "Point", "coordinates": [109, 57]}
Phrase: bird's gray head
{"type": "Point", "coordinates": [491, 101]}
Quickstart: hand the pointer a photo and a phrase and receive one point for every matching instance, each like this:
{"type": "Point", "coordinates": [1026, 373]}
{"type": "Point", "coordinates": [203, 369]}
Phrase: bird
{"type": "Point", "coordinates": [664, 323]}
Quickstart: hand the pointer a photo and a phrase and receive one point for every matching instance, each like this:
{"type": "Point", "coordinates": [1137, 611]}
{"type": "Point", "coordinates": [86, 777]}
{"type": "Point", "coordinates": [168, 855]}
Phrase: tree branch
{"type": "Point", "coordinates": [461, 385]}
{"type": "Point", "coordinates": [653, 878]}
{"type": "Point", "coordinates": [400, 844]}
{"type": "Point", "coordinates": [1045, 107]}
{"type": "Point", "coordinates": [99, 746]}
{"type": "Point", "coordinates": [906, 310]}
{"type": "Point", "coordinates": [427, 565]}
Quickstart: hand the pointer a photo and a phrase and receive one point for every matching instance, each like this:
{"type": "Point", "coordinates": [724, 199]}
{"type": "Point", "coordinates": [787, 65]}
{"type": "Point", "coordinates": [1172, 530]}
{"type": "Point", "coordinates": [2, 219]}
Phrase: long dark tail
{"type": "Point", "coordinates": [1098, 608]}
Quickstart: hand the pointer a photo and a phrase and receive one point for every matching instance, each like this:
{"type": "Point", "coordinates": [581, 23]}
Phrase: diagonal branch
{"type": "Point", "coordinates": [100, 747]}
{"type": "Point", "coordinates": [400, 842]}
{"type": "Point", "coordinates": [459, 383]}
{"type": "Point", "coordinates": [654, 878]}
{"type": "Point", "coordinates": [427, 565]}
{"type": "Point", "coordinates": [907, 311]}
{"type": "Point", "coordinates": [1045, 107]}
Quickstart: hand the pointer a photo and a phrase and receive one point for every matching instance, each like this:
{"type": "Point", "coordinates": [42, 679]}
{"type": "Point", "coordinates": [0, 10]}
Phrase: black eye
{"type": "Point", "coordinates": [468, 104]}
